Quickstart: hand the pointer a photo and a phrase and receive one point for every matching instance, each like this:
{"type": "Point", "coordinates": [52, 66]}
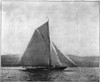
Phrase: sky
{"type": "Point", "coordinates": [74, 26]}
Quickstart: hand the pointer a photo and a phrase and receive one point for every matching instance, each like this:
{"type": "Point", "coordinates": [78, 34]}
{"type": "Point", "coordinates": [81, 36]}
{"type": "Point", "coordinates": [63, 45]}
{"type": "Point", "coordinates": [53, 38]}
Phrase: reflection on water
{"type": "Point", "coordinates": [67, 75]}
{"type": "Point", "coordinates": [45, 75]}
{"type": "Point", "coordinates": [39, 75]}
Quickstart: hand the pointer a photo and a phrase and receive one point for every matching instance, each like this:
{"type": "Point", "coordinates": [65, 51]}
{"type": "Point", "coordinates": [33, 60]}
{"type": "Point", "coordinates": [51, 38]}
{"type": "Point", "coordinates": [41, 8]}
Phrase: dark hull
{"type": "Point", "coordinates": [46, 68]}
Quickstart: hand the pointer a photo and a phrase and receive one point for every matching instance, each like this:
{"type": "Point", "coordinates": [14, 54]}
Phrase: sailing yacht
{"type": "Point", "coordinates": [42, 53]}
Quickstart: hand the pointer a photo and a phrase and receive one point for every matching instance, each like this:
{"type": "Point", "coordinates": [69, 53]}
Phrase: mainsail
{"type": "Point", "coordinates": [37, 52]}
{"type": "Point", "coordinates": [42, 52]}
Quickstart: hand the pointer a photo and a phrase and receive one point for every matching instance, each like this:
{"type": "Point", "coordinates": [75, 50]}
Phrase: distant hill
{"type": "Point", "coordinates": [86, 61]}
{"type": "Point", "coordinates": [9, 60]}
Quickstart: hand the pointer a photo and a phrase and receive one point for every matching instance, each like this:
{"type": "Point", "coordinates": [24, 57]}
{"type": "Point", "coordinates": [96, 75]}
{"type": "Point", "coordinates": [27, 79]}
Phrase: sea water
{"type": "Point", "coordinates": [72, 74]}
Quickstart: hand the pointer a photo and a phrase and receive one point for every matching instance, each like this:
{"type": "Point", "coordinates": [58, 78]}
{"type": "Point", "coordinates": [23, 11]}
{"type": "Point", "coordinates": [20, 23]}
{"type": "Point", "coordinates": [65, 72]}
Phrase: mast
{"type": "Point", "coordinates": [49, 43]}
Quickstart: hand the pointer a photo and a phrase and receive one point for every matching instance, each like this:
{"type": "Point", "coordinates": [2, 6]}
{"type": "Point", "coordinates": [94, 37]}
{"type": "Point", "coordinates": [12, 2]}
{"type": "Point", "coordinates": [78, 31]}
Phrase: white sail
{"type": "Point", "coordinates": [54, 56]}
{"type": "Point", "coordinates": [65, 60]}
{"type": "Point", "coordinates": [37, 52]}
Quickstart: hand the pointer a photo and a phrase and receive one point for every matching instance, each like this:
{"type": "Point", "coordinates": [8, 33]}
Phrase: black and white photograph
{"type": "Point", "coordinates": [50, 40]}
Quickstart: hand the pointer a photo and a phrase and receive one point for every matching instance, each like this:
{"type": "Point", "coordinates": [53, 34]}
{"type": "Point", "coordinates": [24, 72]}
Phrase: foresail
{"type": "Point", "coordinates": [37, 52]}
{"type": "Point", "coordinates": [54, 56]}
{"type": "Point", "coordinates": [65, 60]}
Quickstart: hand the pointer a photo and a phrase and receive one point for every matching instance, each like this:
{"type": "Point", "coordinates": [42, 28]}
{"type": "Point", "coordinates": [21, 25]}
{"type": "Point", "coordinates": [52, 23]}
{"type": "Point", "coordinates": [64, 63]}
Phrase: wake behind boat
{"type": "Point", "coordinates": [42, 54]}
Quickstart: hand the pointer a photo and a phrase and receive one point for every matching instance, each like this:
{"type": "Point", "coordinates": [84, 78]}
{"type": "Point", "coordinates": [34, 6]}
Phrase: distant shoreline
{"type": "Point", "coordinates": [12, 60]}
